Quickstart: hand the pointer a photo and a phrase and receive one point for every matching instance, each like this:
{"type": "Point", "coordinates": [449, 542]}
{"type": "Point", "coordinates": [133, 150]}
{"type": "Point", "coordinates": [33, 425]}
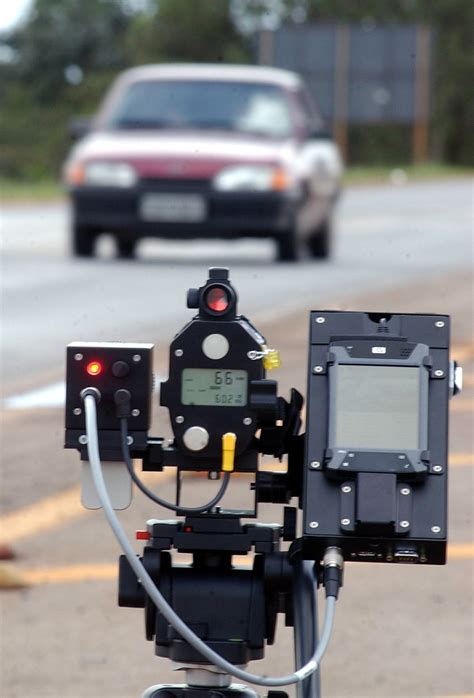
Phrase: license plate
{"type": "Point", "coordinates": [173, 208]}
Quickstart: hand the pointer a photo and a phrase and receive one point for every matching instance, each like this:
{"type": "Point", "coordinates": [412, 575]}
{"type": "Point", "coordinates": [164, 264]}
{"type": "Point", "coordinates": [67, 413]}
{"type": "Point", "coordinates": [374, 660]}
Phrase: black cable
{"type": "Point", "coordinates": [154, 497]}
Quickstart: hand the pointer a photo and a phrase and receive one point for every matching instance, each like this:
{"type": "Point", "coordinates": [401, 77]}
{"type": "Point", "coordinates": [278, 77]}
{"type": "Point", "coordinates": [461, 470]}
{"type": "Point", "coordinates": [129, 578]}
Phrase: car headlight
{"type": "Point", "coordinates": [101, 174]}
{"type": "Point", "coordinates": [110, 174]}
{"type": "Point", "coordinates": [252, 178]}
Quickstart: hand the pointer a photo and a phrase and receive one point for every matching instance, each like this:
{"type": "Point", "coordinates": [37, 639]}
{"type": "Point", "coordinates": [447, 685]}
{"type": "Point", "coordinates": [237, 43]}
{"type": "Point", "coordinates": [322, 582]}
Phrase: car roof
{"type": "Point", "coordinates": [217, 71]}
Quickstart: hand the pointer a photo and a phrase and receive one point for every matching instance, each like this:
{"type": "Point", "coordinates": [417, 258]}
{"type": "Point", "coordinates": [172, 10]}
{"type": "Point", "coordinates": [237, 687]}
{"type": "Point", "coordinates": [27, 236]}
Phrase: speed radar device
{"type": "Point", "coordinates": [376, 443]}
{"type": "Point", "coordinates": [369, 474]}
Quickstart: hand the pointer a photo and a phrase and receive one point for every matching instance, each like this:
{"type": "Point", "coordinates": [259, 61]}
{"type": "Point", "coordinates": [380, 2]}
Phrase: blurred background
{"type": "Point", "coordinates": [416, 105]}
{"type": "Point", "coordinates": [393, 81]}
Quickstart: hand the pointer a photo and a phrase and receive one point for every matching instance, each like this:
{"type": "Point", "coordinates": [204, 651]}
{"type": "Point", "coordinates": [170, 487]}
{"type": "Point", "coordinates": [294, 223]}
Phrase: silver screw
{"type": "Point", "coordinates": [315, 464]}
{"type": "Point", "coordinates": [401, 456]}
{"type": "Point", "coordinates": [320, 320]}
{"type": "Point", "coordinates": [313, 524]}
{"type": "Point", "coordinates": [389, 557]}
{"type": "Point", "coordinates": [404, 490]}
{"type": "Point", "coordinates": [346, 462]}
{"type": "Point", "coordinates": [345, 522]}
{"type": "Point", "coordinates": [317, 369]}
{"type": "Point", "coordinates": [179, 419]}
{"type": "Point", "coordinates": [435, 529]}
{"type": "Point", "coordinates": [135, 413]}
{"type": "Point", "coordinates": [437, 468]}
{"type": "Point", "coordinates": [178, 352]}
{"type": "Point", "coordinates": [347, 489]}
{"type": "Point", "coordinates": [440, 323]}
{"type": "Point", "coordinates": [439, 373]}
{"type": "Point", "coordinates": [129, 440]}
{"type": "Point", "coordinates": [83, 439]}
{"type": "Point", "coordinates": [247, 421]}
{"type": "Point", "coordinates": [77, 411]}
{"type": "Point", "coordinates": [404, 524]}
{"type": "Point", "coordinates": [78, 357]}
{"type": "Point", "coordinates": [213, 475]}
{"type": "Point", "coordinates": [137, 358]}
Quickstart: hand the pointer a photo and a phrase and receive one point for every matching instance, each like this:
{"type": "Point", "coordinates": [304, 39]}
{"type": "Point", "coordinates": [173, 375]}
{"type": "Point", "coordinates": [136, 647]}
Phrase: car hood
{"type": "Point", "coordinates": [178, 154]}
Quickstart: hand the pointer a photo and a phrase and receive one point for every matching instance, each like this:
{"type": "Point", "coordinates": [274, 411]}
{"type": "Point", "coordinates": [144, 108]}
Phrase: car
{"type": "Point", "coordinates": [205, 151]}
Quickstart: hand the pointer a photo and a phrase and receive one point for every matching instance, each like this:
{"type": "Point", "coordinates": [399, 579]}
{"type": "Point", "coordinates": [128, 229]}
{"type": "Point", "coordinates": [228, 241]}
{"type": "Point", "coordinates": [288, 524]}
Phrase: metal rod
{"type": "Point", "coordinates": [305, 625]}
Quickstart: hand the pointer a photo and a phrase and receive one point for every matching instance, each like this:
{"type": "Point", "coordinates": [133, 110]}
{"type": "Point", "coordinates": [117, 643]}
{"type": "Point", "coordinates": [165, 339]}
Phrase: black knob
{"type": "Point", "coordinates": [120, 369]}
{"type": "Point", "coordinates": [193, 298]}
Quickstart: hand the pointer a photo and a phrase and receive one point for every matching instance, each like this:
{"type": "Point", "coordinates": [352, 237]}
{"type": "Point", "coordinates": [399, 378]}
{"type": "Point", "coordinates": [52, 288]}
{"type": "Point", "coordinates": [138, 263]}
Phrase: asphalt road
{"type": "Point", "coordinates": [400, 631]}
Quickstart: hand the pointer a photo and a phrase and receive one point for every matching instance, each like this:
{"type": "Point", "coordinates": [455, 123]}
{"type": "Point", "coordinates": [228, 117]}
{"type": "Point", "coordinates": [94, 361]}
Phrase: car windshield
{"type": "Point", "coordinates": [252, 108]}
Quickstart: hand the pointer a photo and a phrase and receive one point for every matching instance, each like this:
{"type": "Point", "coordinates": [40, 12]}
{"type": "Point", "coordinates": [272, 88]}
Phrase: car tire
{"type": "Point", "coordinates": [287, 247]}
{"type": "Point", "coordinates": [319, 244]}
{"type": "Point", "coordinates": [83, 240]}
{"type": "Point", "coordinates": [125, 248]}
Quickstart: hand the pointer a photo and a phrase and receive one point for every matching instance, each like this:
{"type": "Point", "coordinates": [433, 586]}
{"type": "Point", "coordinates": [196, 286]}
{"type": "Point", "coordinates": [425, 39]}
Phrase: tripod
{"type": "Point", "coordinates": [234, 610]}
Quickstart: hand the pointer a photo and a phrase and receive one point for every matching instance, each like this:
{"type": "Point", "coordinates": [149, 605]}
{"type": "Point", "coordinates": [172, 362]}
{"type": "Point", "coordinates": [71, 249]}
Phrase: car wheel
{"type": "Point", "coordinates": [125, 248]}
{"type": "Point", "coordinates": [83, 240]}
{"type": "Point", "coordinates": [287, 247]}
{"type": "Point", "coordinates": [319, 244]}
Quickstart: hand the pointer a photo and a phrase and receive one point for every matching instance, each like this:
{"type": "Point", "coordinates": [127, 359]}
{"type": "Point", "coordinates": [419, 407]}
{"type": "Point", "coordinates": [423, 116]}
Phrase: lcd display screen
{"type": "Point", "coordinates": [375, 407]}
{"type": "Point", "coordinates": [208, 387]}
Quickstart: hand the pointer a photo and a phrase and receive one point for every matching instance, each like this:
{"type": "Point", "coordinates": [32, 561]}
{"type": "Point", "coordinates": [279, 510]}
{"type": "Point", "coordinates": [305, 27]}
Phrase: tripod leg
{"type": "Point", "coordinates": [305, 624]}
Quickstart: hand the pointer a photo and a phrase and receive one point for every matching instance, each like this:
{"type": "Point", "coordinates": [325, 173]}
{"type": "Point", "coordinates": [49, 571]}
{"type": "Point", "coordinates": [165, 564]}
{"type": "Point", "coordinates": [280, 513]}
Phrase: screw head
{"type": "Point", "coordinates": [437, 468]}
{"type": "Point", "coordinates": [135, 413]}
{"type": "Point", "coordinates": [77, 411]}
{"type": "Point", "coordinates": [346, 489]}
{"type": "Point", "coordinates": [247, 421]}
{"type": "Point", "coordinates": [78, 356]}
{"type": "Point", "coordinates": [440, 323]}
{"type": "Point", "coordinates": [178, 352]}
{"type": "Point", "coordinates": [404, 524]}
{"type": "Point", "coordinates": [179, 419]}
{"type": "Point", "coordinates": [320, 320]}
{"type": "Point", "coordinates": [137, 358]}
{"type": "Point", "coordinates": [436, 529]}
{"type": "Point", "coordinates": [315, 464]}
{"type": "Point", "coordinates": [317, 369]}
{"type": "Point", "coordinates": [439, 373]}
{"type": "Point", "coordinates": [405, 491]}
{"type": "Point", "coordinates": [83, 439]}
{"type": "Point", "coordinates": [313, 524]}
{"type": "Point", "coordinates": [345, 522]}
{"type": "Point", "coordinates": [129, 440]}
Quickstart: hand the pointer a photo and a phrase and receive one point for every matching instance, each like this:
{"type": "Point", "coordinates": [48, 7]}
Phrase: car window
{"type": "Point", "coordinates": [252, 108]}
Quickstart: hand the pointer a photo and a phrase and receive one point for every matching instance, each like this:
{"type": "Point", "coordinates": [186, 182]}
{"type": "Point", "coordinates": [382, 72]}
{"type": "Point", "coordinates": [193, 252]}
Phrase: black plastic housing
{"type": "Point", "coordinates": [377, 510]}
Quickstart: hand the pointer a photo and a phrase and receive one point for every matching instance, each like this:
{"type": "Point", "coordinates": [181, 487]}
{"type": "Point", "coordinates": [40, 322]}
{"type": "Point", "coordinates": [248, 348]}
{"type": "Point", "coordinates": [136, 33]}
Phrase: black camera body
{"type": "Point", "coordinates": [375, 468]}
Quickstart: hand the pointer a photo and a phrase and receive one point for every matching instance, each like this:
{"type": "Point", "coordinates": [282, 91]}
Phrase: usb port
{"type": "Point", "coordinates": [406, 556]}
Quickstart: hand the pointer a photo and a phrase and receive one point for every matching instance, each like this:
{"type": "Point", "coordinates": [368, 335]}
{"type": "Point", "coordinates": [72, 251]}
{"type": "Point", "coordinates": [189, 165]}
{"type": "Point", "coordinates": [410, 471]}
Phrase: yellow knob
{"type": "Point", "coordinates": [229, 441]}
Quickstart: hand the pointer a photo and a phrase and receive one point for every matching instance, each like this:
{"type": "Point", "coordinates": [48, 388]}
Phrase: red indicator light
{"type": "Point", "coordinates": [142, 535]}
{"type": "Point", "coordinates": [94, 368]}
{"type": "Point", "coordinates": [217, 299]}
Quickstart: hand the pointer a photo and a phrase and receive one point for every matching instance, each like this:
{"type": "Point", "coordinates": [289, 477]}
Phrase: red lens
{"type": "Point", "coordinates": [94, 368]}
{"type": "Point", "coordinates": [217, 299]}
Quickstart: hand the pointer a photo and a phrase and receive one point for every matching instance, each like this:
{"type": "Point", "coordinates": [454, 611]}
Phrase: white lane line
{"type": "Point", "coordinates": [53, 395]}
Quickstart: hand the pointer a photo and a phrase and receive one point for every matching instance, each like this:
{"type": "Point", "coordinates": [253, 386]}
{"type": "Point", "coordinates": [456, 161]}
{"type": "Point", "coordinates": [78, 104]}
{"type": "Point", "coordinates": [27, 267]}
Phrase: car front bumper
{"type": "Point", "coordinates": [227, 214]}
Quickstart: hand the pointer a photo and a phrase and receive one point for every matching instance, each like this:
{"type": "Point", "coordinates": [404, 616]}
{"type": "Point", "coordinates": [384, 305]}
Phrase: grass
{"type": "Point", "coordinates": [24, 191]}
{"type": "Point", "coordinates": [27, 191]}
{"type": "Point", "coordinates": [400, 174]}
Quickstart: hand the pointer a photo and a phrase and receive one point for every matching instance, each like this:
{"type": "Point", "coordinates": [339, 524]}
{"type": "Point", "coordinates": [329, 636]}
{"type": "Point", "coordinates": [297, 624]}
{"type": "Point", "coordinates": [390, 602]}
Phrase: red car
{"type": "Point", "coordinates": [205, 151]}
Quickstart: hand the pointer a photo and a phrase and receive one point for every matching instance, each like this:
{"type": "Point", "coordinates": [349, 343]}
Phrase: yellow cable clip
{"type": "Point", "coordinates": [229, 441]}
{"type": "Point", "coordinates": [271, 359]}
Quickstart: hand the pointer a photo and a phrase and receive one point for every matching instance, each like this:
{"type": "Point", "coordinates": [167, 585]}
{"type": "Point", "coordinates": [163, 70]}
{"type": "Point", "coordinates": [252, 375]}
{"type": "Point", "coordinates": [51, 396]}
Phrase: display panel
{"type": "Point", "coordinates": [209, 386]}
{"type": "Point", "coordinates": [375, 407]}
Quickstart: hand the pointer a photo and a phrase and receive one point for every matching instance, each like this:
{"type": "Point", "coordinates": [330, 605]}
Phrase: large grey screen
{"type": "Point", "coordinates": [375, 407]}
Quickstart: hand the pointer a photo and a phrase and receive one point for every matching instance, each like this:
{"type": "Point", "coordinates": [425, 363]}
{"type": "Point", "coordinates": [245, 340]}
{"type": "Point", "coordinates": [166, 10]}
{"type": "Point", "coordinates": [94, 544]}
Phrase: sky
{"type": "Point", "coordinates": [11, 11]}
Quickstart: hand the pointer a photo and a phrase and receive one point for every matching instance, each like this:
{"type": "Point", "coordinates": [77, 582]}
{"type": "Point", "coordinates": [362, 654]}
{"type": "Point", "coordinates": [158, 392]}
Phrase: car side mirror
{"type": "Point", "coordinates": [79, 126]}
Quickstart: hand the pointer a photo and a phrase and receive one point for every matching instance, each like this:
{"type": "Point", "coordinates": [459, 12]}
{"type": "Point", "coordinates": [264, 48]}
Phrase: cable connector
{"type": "Point", "coordinates": [91, 391]}
{"type": "Point", "coordinates": [333, 571]}
{"type": "Point", "coordinates": [123, 403]}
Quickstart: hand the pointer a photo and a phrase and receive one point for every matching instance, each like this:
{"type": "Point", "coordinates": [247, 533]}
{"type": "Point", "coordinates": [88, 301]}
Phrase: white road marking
{"type": "Point", "coordinates": [53, 395]}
